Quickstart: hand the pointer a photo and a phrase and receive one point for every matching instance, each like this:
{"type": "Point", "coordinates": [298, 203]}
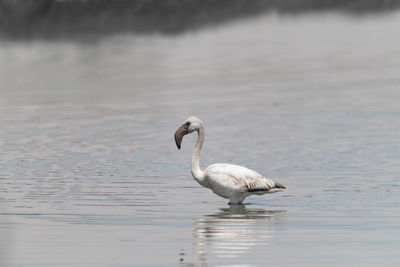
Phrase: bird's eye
{"type": "Point", "coordinates": [186, 125]}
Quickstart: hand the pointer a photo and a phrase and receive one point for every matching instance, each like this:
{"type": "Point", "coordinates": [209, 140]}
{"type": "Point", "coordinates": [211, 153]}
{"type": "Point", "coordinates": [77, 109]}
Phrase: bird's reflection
{"type": "Point", "coordinates": [232, 231]}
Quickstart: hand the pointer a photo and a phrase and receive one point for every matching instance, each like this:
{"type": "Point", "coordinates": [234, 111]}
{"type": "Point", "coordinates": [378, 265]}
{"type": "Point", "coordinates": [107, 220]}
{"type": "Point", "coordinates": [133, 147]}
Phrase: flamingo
{"type": "Point", "coordinates": [229, 181]}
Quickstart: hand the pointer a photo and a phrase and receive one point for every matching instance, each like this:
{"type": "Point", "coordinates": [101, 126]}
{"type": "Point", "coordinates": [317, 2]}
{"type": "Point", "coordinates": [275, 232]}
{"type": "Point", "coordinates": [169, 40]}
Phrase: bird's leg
{"type": "Point", "coordinates": [235, 200]}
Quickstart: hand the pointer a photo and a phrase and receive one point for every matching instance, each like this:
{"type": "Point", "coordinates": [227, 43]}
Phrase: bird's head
{"type": "Point", "coordinates": [189, 126]}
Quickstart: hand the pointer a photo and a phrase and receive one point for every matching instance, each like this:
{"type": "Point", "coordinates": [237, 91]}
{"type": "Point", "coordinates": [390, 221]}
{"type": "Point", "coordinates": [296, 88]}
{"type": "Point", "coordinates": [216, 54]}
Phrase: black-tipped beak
{"type": "Point", "coordinates": [179, 136]}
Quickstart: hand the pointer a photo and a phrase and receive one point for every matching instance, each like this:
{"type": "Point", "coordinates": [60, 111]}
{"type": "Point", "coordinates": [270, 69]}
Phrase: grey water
{"type": "Point", "coordinates": [90, 174]}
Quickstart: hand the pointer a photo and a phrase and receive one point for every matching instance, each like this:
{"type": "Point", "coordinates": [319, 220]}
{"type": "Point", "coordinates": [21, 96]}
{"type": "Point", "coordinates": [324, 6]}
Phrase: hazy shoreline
{"type": "Point", "coordinates": [75, 18]}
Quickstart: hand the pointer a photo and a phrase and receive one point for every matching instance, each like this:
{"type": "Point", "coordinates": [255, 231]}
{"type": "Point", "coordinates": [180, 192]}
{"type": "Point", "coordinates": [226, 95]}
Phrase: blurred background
{"type": "Point", "coordinates": [305, 92]}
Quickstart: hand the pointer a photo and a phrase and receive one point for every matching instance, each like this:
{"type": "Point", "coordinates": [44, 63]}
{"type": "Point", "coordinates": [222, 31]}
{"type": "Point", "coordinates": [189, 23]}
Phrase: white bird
{"type": "Point", "coordinates": [226, 180]}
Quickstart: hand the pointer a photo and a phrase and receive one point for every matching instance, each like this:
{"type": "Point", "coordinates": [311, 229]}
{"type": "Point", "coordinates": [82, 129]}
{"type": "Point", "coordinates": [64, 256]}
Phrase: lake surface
{"type": "Point", "coordinates": [90, 174]}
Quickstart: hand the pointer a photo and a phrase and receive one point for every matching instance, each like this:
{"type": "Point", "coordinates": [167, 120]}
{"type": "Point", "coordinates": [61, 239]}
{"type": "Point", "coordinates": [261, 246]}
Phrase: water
{"type": "Point", "coordinates": [90, 175]}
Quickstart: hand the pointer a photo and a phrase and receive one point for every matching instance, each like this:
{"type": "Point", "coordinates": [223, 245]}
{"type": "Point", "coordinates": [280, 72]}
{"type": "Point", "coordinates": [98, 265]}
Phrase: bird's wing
{"type": "Point", "coordinates": [239, 177]}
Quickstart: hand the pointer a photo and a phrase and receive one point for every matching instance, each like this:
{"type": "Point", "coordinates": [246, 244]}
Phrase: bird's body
{"type": "Point", "coordinates": [226, 180]}
{"type": "Point", "coordinates": [237, 182]}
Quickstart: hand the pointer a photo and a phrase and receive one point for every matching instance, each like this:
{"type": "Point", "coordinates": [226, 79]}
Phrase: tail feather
{"type": "Point", "coordinates": [280, 186]}
{"type": "Point", "coordinates": [269, 189]}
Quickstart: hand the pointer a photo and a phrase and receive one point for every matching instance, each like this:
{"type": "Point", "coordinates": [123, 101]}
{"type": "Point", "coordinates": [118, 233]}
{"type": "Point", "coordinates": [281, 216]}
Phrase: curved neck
{"type": "Point", "coordinates": [197, 173]}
